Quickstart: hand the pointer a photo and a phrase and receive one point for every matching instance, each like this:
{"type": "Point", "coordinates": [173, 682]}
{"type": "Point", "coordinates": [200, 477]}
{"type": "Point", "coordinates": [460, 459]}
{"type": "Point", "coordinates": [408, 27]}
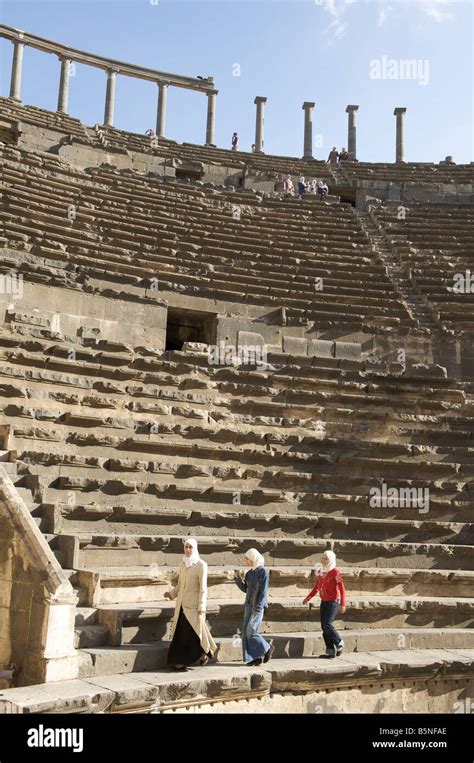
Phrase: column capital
{"type": "Point", "coordinates": [260, 99]}
{"type": "Point", "coordinates": [163, 82]}
{"type": "Point", "coordinates": [351, 108]}
{"type": "Point", "coordinates": [399, 110]}
{"type": "Point", "coordinates": [212, 92]}
{"type": "Point", "coordinates": [112, 71]}
{"type": "Point", "coordinates": [308, 105]}
{"type": "Point", "coordinates": [64, 57]}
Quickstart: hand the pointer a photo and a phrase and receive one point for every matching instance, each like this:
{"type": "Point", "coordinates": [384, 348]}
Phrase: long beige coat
{"type": "Point", "coordinates": [191, 595]}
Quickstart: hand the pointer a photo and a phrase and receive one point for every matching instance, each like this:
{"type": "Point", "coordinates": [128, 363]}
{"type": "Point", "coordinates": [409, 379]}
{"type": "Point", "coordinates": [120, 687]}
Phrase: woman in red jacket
{"type": "Point", "coordinates": [330, 586]}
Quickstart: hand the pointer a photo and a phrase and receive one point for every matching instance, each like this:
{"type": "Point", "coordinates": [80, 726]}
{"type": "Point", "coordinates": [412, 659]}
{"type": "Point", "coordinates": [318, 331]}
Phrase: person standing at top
{"type": "Point", "coordinates": [343, 156]}
{"type": "Point", "coordinates": [191, 638]}
{"type": "Point", "coordinates": [333, 156]}
{"type": "Point", "coordinates": [235, 142]}
{"type": "Point", "coordinates": [288, 186]}
{"type": "Point", "coordinates": [330, 586]}
{"type": "Point", "coordinates": [254, 584]}
{"type": "Point", "coordinates": [301, 186]}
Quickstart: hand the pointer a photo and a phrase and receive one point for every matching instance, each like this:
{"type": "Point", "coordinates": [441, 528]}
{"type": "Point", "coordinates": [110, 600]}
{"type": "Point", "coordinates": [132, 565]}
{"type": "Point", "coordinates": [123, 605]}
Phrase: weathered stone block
{"type": "Point", "coordinates": [321, 348]}
{"type": "Point", "coordinates": [348, 351]}
{"type": "Point", "coordinates": [295, 346]}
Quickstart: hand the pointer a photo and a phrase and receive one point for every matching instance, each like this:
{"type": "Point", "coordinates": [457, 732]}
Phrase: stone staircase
{"type": "Point", "coordinates": [418, 311]}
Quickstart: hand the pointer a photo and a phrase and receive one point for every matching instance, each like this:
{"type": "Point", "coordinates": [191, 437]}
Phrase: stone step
{"type": "Point", "coordinates": [91, 519]}
{"type": "Point", "coordinates": [266, 501]}
{"type": "Point", "coordinates": [42, 523]}
{"type": "Point", "coordinates": [280, 685]}
{"type": "Point", "coordinates": [90, 636]}
{"type": "Point", "coordinates": [4, 456]}
{"type": "Point", "coordinates": [86, 616]}
{"type": "Point", "coordinates": [122, 585]}
{"type": "Point", "coordinates": [9, 468]}
{"type": "Point", "coordinates": [144, 623]}
{"type": "Point", "coordinates": [72, 575]}
{"type": "Point", "coordinates": [24, 493]}
{"type": "Point", "coordinates": [104, 550]}
{"type": "Point", "coordinates": [132, 658]}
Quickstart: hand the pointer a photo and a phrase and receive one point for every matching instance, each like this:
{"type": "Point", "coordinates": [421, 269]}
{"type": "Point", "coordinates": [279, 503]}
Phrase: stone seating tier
{"type": "Point", "coordinates": [435, 244]}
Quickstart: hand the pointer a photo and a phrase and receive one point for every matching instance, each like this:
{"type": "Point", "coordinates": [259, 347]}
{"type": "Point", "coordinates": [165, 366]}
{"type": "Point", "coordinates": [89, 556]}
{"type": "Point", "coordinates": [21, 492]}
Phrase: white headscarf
{"type": "Point", "coordinates": [190, 560]}
{"type": "Point", "coordinates": [323, 569]}
{"type": "Point", "coordinates": [255, 557]}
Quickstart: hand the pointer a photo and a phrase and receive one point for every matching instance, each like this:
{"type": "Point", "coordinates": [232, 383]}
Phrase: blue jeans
{"type": "Point", "coordinates": [328, 612]}
{"type": "Point", "coordinates": [253, 645]}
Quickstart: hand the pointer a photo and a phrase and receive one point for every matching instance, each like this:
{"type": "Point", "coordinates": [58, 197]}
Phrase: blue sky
{"type": "Point", "coordinates": [290, 51]}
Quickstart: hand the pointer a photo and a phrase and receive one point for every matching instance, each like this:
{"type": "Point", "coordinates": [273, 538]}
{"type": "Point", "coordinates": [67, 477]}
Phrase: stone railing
{"type": "Point", "coordinates": [38, 602]}
{"type": "Point", "coordinates": [69, 56]}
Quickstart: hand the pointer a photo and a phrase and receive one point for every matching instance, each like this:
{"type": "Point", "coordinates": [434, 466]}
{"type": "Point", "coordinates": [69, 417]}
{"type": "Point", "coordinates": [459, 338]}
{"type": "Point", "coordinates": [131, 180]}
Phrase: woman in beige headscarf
{"type": "Point", "coordinates": [191, 638]}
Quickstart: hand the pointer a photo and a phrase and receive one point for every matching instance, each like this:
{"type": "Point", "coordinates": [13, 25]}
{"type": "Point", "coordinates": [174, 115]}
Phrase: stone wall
{"type": "Point", "coordinates": [37, 601]}
{"type": "Point", "coordinates": [75, 313]}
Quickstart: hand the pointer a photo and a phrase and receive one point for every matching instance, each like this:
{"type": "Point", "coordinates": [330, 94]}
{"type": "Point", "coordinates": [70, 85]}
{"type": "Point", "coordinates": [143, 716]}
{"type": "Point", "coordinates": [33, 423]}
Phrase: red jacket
{"type": "Point", "coordinates": [329, 586]}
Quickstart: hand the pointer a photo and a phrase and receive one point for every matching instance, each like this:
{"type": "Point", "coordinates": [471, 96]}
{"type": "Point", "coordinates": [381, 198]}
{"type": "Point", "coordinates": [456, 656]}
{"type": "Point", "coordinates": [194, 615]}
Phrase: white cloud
{"type": "Point", "coordinates": [436, 10]}
{"type": "Point", "coordinates": [336, 8]}
{"type": "Point", "coordinates": [337, 29]}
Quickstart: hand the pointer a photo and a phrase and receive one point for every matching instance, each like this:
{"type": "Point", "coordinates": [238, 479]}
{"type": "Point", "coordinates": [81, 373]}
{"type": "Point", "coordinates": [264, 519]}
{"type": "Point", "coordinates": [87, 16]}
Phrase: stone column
{"type": "Point", "coordinates": [308, 129]}
{"type": "Point", "coordinates": [352, 132]}
{"type": "Point", "coordinates": [260, 102]}
{"type": "Point", "coordinates": [400, 113]}
{"type": "Point", "coordinates": [64, 84]}
{"type": "Point", "coordinates": [161, 113]}
{"type": "Point", "coordinates": [110, 97]}
{"type": "Point", "coordinates": [211, 118]}
{"type": "Point", "coordinates": [15, 84]}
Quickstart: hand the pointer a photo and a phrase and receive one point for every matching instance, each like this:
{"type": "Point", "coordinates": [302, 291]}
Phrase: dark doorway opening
{"type": "Point", "coordinates": [189, 326]}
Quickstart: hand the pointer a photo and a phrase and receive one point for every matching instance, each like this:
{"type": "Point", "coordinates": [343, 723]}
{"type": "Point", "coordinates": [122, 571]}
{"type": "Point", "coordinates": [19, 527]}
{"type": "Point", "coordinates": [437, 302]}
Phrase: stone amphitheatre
{"type": "Point", "coordinates": [125, 259]}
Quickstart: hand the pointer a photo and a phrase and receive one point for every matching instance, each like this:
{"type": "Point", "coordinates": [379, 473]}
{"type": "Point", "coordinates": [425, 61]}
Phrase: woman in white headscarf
{"type": "Point", "coordinates": [330, 586]}
{"type": "Point", "coordinates": [191, 638]}
{"type": "Point", "coordinates": [254, 584]}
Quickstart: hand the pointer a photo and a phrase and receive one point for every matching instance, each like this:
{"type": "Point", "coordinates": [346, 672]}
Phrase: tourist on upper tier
{"type": "Point", "coordinates": [288, 186]}
{"type": "Point", "coordinates": [322, 188]}
{"type": "Point", "coordinates": [191, 638]}
{"type": "Point", "coordinates": [330, 586]}
{"type": "Point", "coordinates": [150, 133]}
{"type": "Point", "coordinates": [333, 156]}
{"type": "Point", "coordinates": [343, 156]}
{"type": "Point", "coordinates": [301, 186]}
{"type": "Point", "coordinates": [235, 142]}
{"type": "Point", "coordinates": [254, 584]}
{"type": "Point", "coordinates": [254, 148]}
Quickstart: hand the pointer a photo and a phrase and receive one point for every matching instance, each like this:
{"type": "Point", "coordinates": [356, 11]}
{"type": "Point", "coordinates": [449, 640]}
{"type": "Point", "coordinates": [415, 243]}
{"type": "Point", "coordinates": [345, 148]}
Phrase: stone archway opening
{"type": "Point", "coordinates": [189, 326]}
